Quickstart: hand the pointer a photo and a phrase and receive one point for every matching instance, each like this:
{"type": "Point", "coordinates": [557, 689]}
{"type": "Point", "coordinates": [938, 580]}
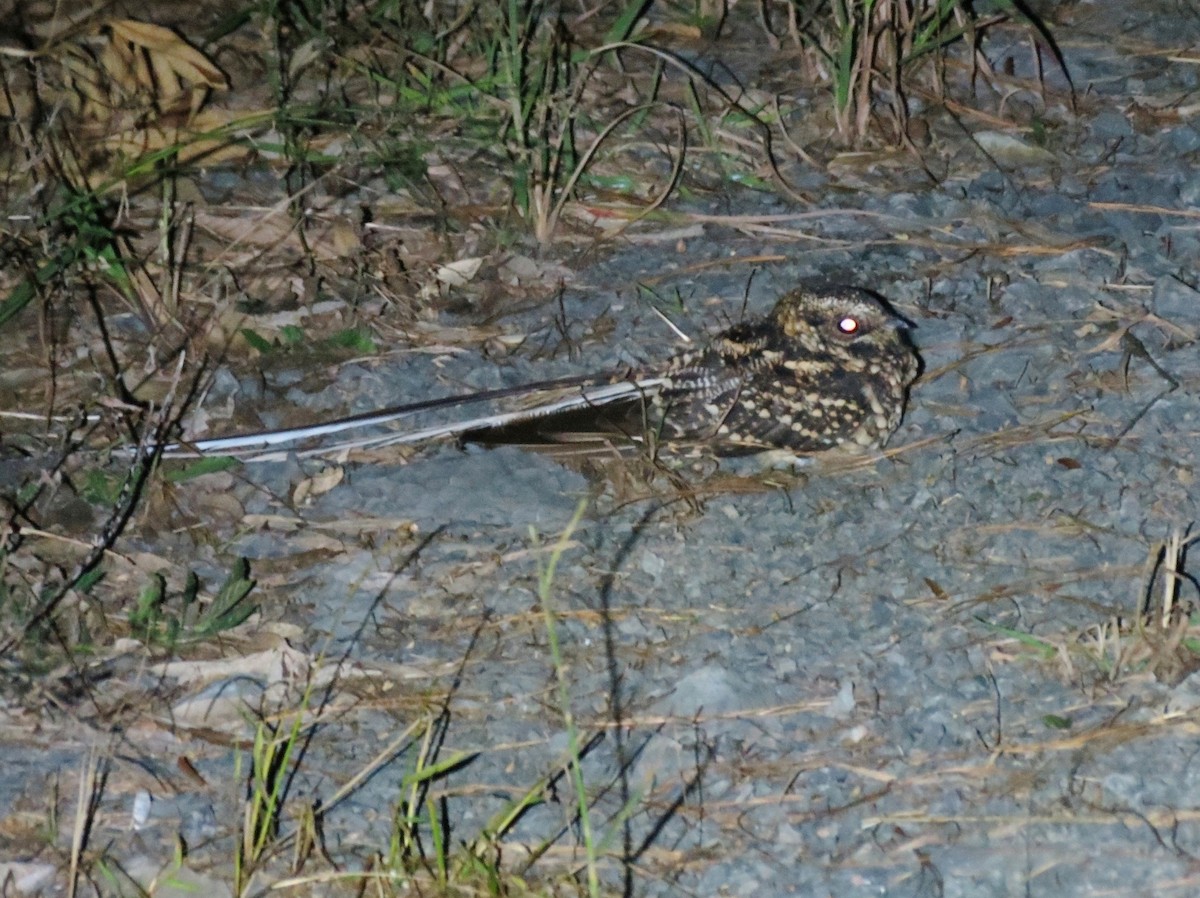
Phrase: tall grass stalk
{"type": "Point", "coordinates": [872, 48]}
{"type": "Point", "coordinates": [271, 758]}
{"type": "Point", "coordinates": [546, 599]}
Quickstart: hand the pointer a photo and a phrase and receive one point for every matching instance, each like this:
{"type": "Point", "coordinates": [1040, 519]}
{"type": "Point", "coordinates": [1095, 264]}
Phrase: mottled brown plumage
{"type": "Point", "coordinates": [827, 368]}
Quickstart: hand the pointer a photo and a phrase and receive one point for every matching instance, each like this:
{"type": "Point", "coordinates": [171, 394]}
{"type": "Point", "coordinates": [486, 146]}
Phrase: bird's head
{"type": "Point", "coordinates": [845, 322]}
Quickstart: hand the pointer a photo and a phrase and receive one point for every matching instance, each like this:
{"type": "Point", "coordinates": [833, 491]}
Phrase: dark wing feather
{"type": "Point", "coordinates": [539, 400]}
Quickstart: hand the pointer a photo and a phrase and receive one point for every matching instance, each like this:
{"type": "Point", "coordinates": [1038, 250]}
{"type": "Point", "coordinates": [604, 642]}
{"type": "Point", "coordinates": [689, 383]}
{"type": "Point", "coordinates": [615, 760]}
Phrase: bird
{"type": "Point", "coordinates": [828, 368]}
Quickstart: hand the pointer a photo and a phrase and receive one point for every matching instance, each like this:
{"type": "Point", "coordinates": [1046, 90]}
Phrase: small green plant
{"type": "Point", "coordinates": [292, 337]}
{"type": "Point", "coordinates": [874, 42]}
{"type": "Point", "coordinates": [872, 48]}
{"type": "Point", "coordinates": [276, 747]}
{"type": "Point", "coordinates": [541, 76]}
{"type": "Point", "coordinates": [416, 812]}
{"type": "Point", "coordinates": [574, 744]}
{"type": "Point", "coordinates": [537, 75]}
{"type": "Point", "coordinates": [423, 843]}
{"type": "Point", "coordinates": [157, 619]}
{"type": "Point", "coordinates": [1162, 637]}
{"type": "Point", "coordinates": [86, 242]}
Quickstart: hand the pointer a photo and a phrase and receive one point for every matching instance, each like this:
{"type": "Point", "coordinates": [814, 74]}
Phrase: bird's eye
{"type": "Point", "coordinates": [849, 326]}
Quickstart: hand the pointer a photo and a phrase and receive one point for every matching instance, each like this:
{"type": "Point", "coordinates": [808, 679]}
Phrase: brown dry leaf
{"type": "Point", "coordinates": [1110, 343]}
{"type": "Point", "coordinates": [150, 563]}
{"type": "Point", "coordinates": [668, 30]}
{"type": "Point", "coordinates": [223, 690]}
{"type": "Point", "coordinates": [344, 239]}
{"type": "Point", "coordinates": [460, 272]}
{"type": "Point", "coordinates": [256, 680]}
{"type": "Point", "coordinates": [276, 229]}
{"type": "Point", "coordinates": [215, 508]}
{"type": "Point", "coordinates": [358, 526]}
{"type": "Point", "coordinates": [268, 230]}
{"type": "Point", "coordinates": [141, 87]}
{"type": "Point", "coordinates": [172, 59]}
{"type": "Point", "coordinates": [276, 522]}
{"type": "Point", "coordinates": [333, 240]}
{"type": "Point", "coordinates": [202, 135]}
{"type": "Point", "coordinates": [279, 664]}
{"type": "Point", "coordinates": [319, 484]}
{"type": "Point", "coordinates": [306, 541]}
{"type": "Point", "coordinates": [84, 91]}
{"type": "Point", "coordinates": [522, 271]}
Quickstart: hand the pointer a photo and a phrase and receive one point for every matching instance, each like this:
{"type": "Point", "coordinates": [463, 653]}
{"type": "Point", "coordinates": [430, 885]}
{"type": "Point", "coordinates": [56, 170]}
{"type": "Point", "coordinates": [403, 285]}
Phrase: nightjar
{"type": "Point", "coordinates": [829, 367]}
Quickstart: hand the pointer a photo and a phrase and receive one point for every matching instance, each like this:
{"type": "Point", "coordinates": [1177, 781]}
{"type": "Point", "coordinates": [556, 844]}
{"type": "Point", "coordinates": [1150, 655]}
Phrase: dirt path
{"type": "Point", "coordinates": [920, 677]}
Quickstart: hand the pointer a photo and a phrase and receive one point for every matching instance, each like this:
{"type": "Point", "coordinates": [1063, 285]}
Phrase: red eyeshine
{"type": "Point", "coordinates": [848, 325]}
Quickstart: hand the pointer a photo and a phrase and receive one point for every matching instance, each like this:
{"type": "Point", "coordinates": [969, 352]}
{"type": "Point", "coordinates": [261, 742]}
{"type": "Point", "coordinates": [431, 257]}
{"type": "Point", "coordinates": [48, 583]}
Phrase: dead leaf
{"type": "Point", "coordinates": [459, 273]}
{"type": "Point", "coordinates": [139, 88]}
{"type": "Point", "coordinates": [275, 665]}
{"type": "Point", "coordinates": [169, 54]}
{"type": "Point", "coordinates": [275, 522]}
{"type": "Point", "coordinates": [319, 484]}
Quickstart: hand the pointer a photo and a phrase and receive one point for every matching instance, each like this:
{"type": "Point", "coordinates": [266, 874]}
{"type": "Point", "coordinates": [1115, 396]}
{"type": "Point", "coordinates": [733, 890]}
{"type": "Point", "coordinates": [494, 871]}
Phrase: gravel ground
{"type": "Point", "coordinates": [815, 686]}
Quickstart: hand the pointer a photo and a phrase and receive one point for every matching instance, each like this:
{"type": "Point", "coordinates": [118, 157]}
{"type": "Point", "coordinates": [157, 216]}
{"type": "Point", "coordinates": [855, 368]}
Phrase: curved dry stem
{"type": "Point", "coordinates": [564, 194]}
{"type": "Point", "coordinates": [672, 182]}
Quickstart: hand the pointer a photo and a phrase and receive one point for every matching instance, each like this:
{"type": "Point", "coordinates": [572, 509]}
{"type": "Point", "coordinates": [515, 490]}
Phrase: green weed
{"type": "Point", "coordinates": [159, 618]}
{"type": "Point", "coordinates": [874, 50]}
